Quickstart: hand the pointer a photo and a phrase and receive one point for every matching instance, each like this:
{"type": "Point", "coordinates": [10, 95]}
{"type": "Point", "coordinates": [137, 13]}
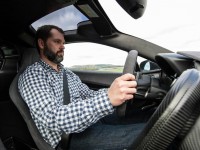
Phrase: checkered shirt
{"type": "Point", "coordinates": [41, 87]}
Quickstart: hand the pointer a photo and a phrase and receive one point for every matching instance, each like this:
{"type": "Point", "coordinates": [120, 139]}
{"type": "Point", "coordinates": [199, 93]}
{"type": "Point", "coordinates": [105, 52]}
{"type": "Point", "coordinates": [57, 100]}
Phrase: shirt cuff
{"type": "Point", "coordinates": [103, 105]}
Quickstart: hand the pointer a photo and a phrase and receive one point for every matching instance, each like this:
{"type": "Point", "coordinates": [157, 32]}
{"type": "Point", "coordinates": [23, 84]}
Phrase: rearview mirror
{"type": "Point", "coordinates": [135, 8]}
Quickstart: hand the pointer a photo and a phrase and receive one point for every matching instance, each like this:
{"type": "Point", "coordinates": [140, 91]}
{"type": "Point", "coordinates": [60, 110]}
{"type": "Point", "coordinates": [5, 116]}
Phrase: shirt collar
{"type": "Point", "coordinates": [48, 67]}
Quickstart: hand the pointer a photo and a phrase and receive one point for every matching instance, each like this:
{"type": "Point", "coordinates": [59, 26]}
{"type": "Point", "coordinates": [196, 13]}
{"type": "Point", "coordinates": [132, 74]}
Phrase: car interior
{"type": "Point", "coordinates": [167, 97]}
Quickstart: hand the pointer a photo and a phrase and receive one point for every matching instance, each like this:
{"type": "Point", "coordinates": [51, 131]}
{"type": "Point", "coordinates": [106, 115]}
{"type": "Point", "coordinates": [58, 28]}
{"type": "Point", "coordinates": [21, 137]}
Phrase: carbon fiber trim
{"type": "Point", "coordinates": [192, 140]}
{"type": "Point", "coordinates": [172, 115]}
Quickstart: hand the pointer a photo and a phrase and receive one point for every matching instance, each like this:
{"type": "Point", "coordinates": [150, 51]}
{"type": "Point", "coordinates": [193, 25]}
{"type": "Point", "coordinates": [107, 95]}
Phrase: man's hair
{"type": "Point", "coordinates": [44, 32]}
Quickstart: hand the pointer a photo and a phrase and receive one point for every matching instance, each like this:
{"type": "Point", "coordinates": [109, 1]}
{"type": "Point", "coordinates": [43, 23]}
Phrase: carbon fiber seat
{"type": "Point", "coordinates": [192, 139]}
{"type": "Point", "coordinates": [29, 57]}
{"type": "Point", "coordinates": [174, 124]}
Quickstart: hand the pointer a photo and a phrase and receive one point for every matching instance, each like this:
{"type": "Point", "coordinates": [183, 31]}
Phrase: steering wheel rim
{"type": "Point", "coordinates": [129, 67]}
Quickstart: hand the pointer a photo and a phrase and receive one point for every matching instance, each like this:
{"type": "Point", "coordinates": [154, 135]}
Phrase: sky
{"type": "Point", "coordinates": [173, 24]}
{"type": "Point", "coordinates": [65, 18]}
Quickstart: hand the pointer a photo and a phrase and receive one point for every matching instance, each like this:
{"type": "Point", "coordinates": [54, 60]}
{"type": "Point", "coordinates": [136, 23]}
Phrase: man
{"type": "Point", "coordinates": [41, 87]}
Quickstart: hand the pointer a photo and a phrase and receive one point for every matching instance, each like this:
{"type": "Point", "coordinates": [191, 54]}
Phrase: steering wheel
{"type": "Point", "coordinates": [129, 67]}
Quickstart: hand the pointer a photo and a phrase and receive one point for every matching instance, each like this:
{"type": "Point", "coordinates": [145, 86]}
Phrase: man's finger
{"type": "Point", "coordinates": [130, 83]}
{"type": "Point", "coordinates": [127, 77]}
{"type": "Point", "coordinates": [129, 96]}
{"type": "Point", "coordinates": [131, 90]}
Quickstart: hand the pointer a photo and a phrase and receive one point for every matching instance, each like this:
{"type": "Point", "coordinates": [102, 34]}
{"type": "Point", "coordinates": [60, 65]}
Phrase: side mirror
{"type": "Point", "coordinates": [148, 65]}
{"type": "Point", "coordinates": [135, 8]}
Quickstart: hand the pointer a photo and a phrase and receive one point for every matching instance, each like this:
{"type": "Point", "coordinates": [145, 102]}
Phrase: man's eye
{"type": "Point", "coordinates": [57, 41]}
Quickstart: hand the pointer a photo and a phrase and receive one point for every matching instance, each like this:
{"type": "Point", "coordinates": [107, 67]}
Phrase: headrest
{"type": "Point", "coordinates": [29, 56]}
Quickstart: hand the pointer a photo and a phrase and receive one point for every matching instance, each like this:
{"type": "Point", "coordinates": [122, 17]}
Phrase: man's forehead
{"type": "Point", "coordinates": [55, 34]}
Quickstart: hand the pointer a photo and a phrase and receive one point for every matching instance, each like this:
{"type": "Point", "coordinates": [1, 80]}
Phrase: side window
{"type": "Point", "coordinates": [94, 57]}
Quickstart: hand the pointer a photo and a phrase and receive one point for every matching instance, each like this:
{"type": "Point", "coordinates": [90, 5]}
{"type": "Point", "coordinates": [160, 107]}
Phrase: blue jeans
{"type": "Point", "coordinates": [101, 136]}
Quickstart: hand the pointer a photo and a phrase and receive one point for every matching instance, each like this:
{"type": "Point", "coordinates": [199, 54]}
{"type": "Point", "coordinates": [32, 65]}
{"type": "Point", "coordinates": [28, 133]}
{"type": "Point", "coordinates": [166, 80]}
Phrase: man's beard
{"type": "Point", "coordinates": [54, 57]}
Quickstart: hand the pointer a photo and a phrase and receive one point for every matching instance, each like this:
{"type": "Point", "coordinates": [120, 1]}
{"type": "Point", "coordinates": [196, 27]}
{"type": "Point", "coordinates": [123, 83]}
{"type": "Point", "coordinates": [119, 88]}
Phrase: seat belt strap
{"type": "Point", "coordinates": [66, 99]}
{"type": "Point", "coordinates": [65, 138]}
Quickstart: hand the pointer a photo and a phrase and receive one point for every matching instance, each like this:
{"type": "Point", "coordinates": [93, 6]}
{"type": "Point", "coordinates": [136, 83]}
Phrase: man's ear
{"type": "Point", "coordinates": [41, 44]}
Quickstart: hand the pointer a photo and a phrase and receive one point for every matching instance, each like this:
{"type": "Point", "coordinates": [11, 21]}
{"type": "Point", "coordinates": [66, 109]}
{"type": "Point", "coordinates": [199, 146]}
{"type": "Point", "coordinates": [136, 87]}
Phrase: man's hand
{"type": "Point", "coordinates": [122, 89]}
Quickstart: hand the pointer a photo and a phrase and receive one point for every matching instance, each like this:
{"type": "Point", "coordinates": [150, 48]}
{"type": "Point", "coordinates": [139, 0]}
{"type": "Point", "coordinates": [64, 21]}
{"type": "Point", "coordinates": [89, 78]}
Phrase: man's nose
{"type": "Point", "coordinates": [63, 46]}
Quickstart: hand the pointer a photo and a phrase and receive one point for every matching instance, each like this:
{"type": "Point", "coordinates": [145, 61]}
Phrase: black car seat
{"type": "Point", "coordinates": [172, 124]}
{"type": "Point", "coordinates": [28, 58]}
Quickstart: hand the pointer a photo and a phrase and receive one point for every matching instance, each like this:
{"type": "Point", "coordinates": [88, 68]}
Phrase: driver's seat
{"type": "Point", "coordinates": [175, 117]}
{"type": "Point", "coordinates": [28, 58]}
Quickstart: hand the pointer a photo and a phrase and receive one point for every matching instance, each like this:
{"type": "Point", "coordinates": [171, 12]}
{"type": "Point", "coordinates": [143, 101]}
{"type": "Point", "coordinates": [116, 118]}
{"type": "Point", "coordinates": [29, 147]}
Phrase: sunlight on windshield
{"type": "Point", "coordinates": [173, 24]}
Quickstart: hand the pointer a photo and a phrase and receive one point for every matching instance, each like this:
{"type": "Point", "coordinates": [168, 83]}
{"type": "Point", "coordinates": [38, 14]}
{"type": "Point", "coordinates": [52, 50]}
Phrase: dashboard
{"type": "Point", "coordinates": [173, 64]}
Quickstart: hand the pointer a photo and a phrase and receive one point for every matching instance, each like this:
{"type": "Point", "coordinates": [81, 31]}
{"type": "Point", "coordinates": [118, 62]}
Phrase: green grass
{"type": "Point", "coordinates": [98, 67]}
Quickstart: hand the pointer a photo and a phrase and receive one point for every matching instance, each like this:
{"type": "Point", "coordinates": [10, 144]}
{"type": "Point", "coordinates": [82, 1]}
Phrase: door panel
{"type": "Point", "coordinates": [97, 80]}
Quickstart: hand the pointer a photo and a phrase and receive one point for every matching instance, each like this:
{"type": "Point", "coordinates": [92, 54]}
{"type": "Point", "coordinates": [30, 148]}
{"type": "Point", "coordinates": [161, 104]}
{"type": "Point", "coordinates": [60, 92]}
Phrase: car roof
{"type": "Point", "coordinates": [18, 15]}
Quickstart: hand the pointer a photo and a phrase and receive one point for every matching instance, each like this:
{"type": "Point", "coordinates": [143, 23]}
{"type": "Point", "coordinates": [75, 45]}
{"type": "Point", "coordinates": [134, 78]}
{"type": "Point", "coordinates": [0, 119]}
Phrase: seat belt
{"type": "Point", "coordinates": [66, 99]}
{"type": "Point", "coordinates": [65, 138]}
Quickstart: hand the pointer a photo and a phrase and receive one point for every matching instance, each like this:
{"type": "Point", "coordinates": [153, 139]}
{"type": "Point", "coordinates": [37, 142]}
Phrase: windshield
{"type": "Point", "coordinates": [173, 24]}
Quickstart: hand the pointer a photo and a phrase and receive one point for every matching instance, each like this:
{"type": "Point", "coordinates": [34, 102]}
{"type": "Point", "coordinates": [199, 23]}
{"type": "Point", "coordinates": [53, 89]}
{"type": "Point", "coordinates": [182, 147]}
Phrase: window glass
{"type": "Point", "coordinates": [66, 18]}
{"type": "Point", "coordinates": [94, 57]}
